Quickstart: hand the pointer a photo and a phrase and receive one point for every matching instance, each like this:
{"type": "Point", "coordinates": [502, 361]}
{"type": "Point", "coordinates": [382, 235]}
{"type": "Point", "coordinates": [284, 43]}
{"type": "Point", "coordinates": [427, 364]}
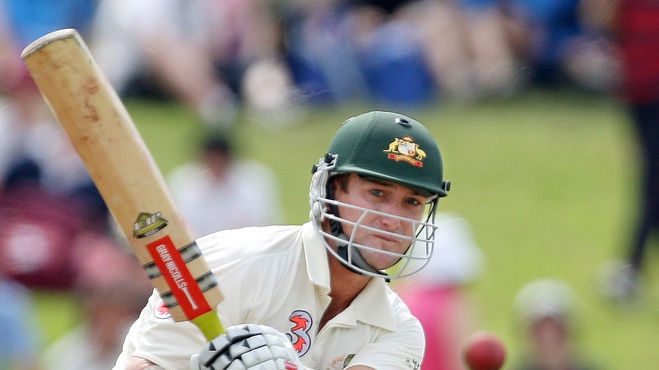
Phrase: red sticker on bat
{"type": "Point", "coordinates": [179, 279]}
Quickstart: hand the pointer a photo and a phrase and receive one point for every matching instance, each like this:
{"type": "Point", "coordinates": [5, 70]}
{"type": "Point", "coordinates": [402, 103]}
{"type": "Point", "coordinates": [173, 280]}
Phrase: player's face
{"type": "Point", "coordinates": [388, 199]}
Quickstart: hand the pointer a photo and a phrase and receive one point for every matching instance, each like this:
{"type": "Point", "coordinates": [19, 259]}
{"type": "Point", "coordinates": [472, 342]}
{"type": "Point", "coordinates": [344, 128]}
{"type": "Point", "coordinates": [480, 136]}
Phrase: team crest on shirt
{"type": "Point", "coordinates": [299, 332]}
{"type": "Point", "coordinates": [405, 149]}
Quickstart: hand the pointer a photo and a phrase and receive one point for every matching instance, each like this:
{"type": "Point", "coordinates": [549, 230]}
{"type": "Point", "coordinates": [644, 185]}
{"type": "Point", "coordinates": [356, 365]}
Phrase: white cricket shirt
{"type": "Point", "coordinates": [278, 276]}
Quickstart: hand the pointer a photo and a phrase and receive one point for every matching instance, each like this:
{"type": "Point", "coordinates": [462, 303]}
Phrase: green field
{"type": "Point", "coordinates": [547, 181]}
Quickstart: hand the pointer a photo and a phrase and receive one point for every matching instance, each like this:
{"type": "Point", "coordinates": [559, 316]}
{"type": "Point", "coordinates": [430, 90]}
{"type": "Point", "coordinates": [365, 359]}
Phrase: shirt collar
{"type": "Point", "coordinates": [316, 257]}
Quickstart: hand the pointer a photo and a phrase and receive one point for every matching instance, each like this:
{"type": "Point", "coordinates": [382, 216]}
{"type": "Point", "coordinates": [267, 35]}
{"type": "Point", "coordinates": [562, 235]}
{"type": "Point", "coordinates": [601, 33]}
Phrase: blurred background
{"type": "Point", "coordinates": [545, 112]}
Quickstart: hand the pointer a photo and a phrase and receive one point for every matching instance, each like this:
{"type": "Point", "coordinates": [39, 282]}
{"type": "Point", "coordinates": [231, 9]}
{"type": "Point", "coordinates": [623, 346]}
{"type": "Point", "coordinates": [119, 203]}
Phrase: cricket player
{"type": "Point", "coordinates": [315, 296]}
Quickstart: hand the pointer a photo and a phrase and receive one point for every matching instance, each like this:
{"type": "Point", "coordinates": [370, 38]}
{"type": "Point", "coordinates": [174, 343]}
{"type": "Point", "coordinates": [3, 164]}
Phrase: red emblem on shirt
{"type": "Point", "coordinates": [299, 332]}
{"type": "Point", "coordinates": [161, 311]}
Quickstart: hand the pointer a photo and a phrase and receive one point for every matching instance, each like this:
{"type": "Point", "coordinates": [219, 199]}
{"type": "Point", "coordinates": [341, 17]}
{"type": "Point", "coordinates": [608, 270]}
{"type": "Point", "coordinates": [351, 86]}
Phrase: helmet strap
{"type": "Point", "coordinates": [357, 261]}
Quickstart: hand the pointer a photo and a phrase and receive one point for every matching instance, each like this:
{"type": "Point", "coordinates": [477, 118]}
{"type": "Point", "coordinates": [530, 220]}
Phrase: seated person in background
{"type": "Point", "coordinates": [548, 317]}
{"type": "Point", "coordinates": [220, 191]}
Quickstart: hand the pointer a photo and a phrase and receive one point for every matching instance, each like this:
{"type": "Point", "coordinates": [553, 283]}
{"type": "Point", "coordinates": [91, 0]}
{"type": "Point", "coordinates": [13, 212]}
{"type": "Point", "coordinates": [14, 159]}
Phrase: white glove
{"type": "Point", "coordinates": [248, 347]}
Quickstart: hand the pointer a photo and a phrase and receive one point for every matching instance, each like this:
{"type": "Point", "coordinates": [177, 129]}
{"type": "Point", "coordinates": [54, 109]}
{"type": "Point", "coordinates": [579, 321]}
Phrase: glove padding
{"type": "Point", "coordinates": [248, 347]}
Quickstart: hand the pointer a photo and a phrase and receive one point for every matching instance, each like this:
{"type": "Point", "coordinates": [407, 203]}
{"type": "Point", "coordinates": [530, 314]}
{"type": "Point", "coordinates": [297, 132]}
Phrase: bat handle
{"type": "Point", "coordinates": [209, 324]}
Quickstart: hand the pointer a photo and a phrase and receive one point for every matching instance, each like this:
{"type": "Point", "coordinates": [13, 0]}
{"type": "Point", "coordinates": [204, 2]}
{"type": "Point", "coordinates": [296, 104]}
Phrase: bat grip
{"type": "Point", "coordinates": [209, 324]}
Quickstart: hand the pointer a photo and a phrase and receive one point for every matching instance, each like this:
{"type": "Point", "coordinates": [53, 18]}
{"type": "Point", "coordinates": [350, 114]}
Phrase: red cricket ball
{"type": "Point", "coordinates": [484, 351]}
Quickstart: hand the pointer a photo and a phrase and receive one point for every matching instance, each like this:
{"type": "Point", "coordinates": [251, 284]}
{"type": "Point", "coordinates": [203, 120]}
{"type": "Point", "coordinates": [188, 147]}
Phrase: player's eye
{"type": "Point", "coordinates": [415, 202]}
{"type": "Point", "coordinates": [377, 193]}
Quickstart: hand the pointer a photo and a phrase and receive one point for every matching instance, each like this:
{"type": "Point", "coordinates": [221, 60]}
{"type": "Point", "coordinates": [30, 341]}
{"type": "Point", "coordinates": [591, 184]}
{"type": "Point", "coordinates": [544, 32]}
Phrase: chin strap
{"type": "Point", "coordinates": [357, 260]}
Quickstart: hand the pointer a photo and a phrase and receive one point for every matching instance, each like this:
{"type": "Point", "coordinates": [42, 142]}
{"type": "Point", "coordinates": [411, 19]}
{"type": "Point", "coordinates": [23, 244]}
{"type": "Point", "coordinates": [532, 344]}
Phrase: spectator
{"type": "Point", "coordinates": [468, 48]}
{"type": "Point", "coordinates": [34, 148]}
{"type": "Point", "coordinates": [222, 191]}
{"type": "Point", "coordinates": [547, 312]}
{"type": "Point", "coordinates": [111, 287]}
{"type": "Point", "coordinates": [342, 51]}
{"type": "Point", "coordinates": [390, 52]}
{"type": "Point", "coordinates": [405, 52]}
{"type": "Point", "coordinates": [196, 51]}
{"type": "Point", "coordinates": [318, 52]}
{"type": "Point", "coordinates": [437, 298]}
{"type": "Point", "coordinates": [558, 46]}
{"type": "Point", "coordinates": [39, 170]}
{"type": "Point", "coordinates": [635, 26]}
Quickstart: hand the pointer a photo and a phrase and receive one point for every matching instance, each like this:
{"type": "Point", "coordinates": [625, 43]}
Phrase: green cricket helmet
{"type": "Point", "coordinates": [392, 147]}
{"type": "Point", "coordinates": [386, 146]}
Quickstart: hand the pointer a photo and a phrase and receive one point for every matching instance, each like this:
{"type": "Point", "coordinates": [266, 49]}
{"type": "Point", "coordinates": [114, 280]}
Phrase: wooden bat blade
{"type": "Point", "coordinates": [123, 170]}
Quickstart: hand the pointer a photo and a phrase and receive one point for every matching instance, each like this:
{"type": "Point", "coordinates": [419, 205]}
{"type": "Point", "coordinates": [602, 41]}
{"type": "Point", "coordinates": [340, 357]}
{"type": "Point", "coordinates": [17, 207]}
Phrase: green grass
{"type": "Point", "coordinates": [547, 181]}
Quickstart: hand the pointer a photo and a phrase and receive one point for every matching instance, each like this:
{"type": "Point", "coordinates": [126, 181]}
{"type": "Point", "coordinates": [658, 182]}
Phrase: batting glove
{"type": "Point", "coordinates": [248, 347]}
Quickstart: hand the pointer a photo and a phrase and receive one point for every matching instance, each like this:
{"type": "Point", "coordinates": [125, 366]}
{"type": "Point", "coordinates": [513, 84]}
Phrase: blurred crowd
{"type": "Point", "coordinates": [270, 59]}
{"type": "Point", "coordinates": [275, 56]}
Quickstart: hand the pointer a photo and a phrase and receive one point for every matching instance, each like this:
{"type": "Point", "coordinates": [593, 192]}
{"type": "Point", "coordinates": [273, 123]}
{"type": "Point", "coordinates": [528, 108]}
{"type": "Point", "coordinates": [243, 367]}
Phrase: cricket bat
{"type": "Point", "coordinates": [121, 166]}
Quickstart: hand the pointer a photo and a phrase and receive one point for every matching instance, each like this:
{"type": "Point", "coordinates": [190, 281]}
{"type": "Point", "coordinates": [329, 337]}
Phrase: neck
{"type": "Point", "coordinates": [345, 285]}
{"type": "Point", "coordinates": [345, 282]}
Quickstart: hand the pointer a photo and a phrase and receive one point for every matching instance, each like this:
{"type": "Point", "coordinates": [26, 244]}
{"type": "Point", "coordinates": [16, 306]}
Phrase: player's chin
{"type": "Point", "coordinates": [379, 260]}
